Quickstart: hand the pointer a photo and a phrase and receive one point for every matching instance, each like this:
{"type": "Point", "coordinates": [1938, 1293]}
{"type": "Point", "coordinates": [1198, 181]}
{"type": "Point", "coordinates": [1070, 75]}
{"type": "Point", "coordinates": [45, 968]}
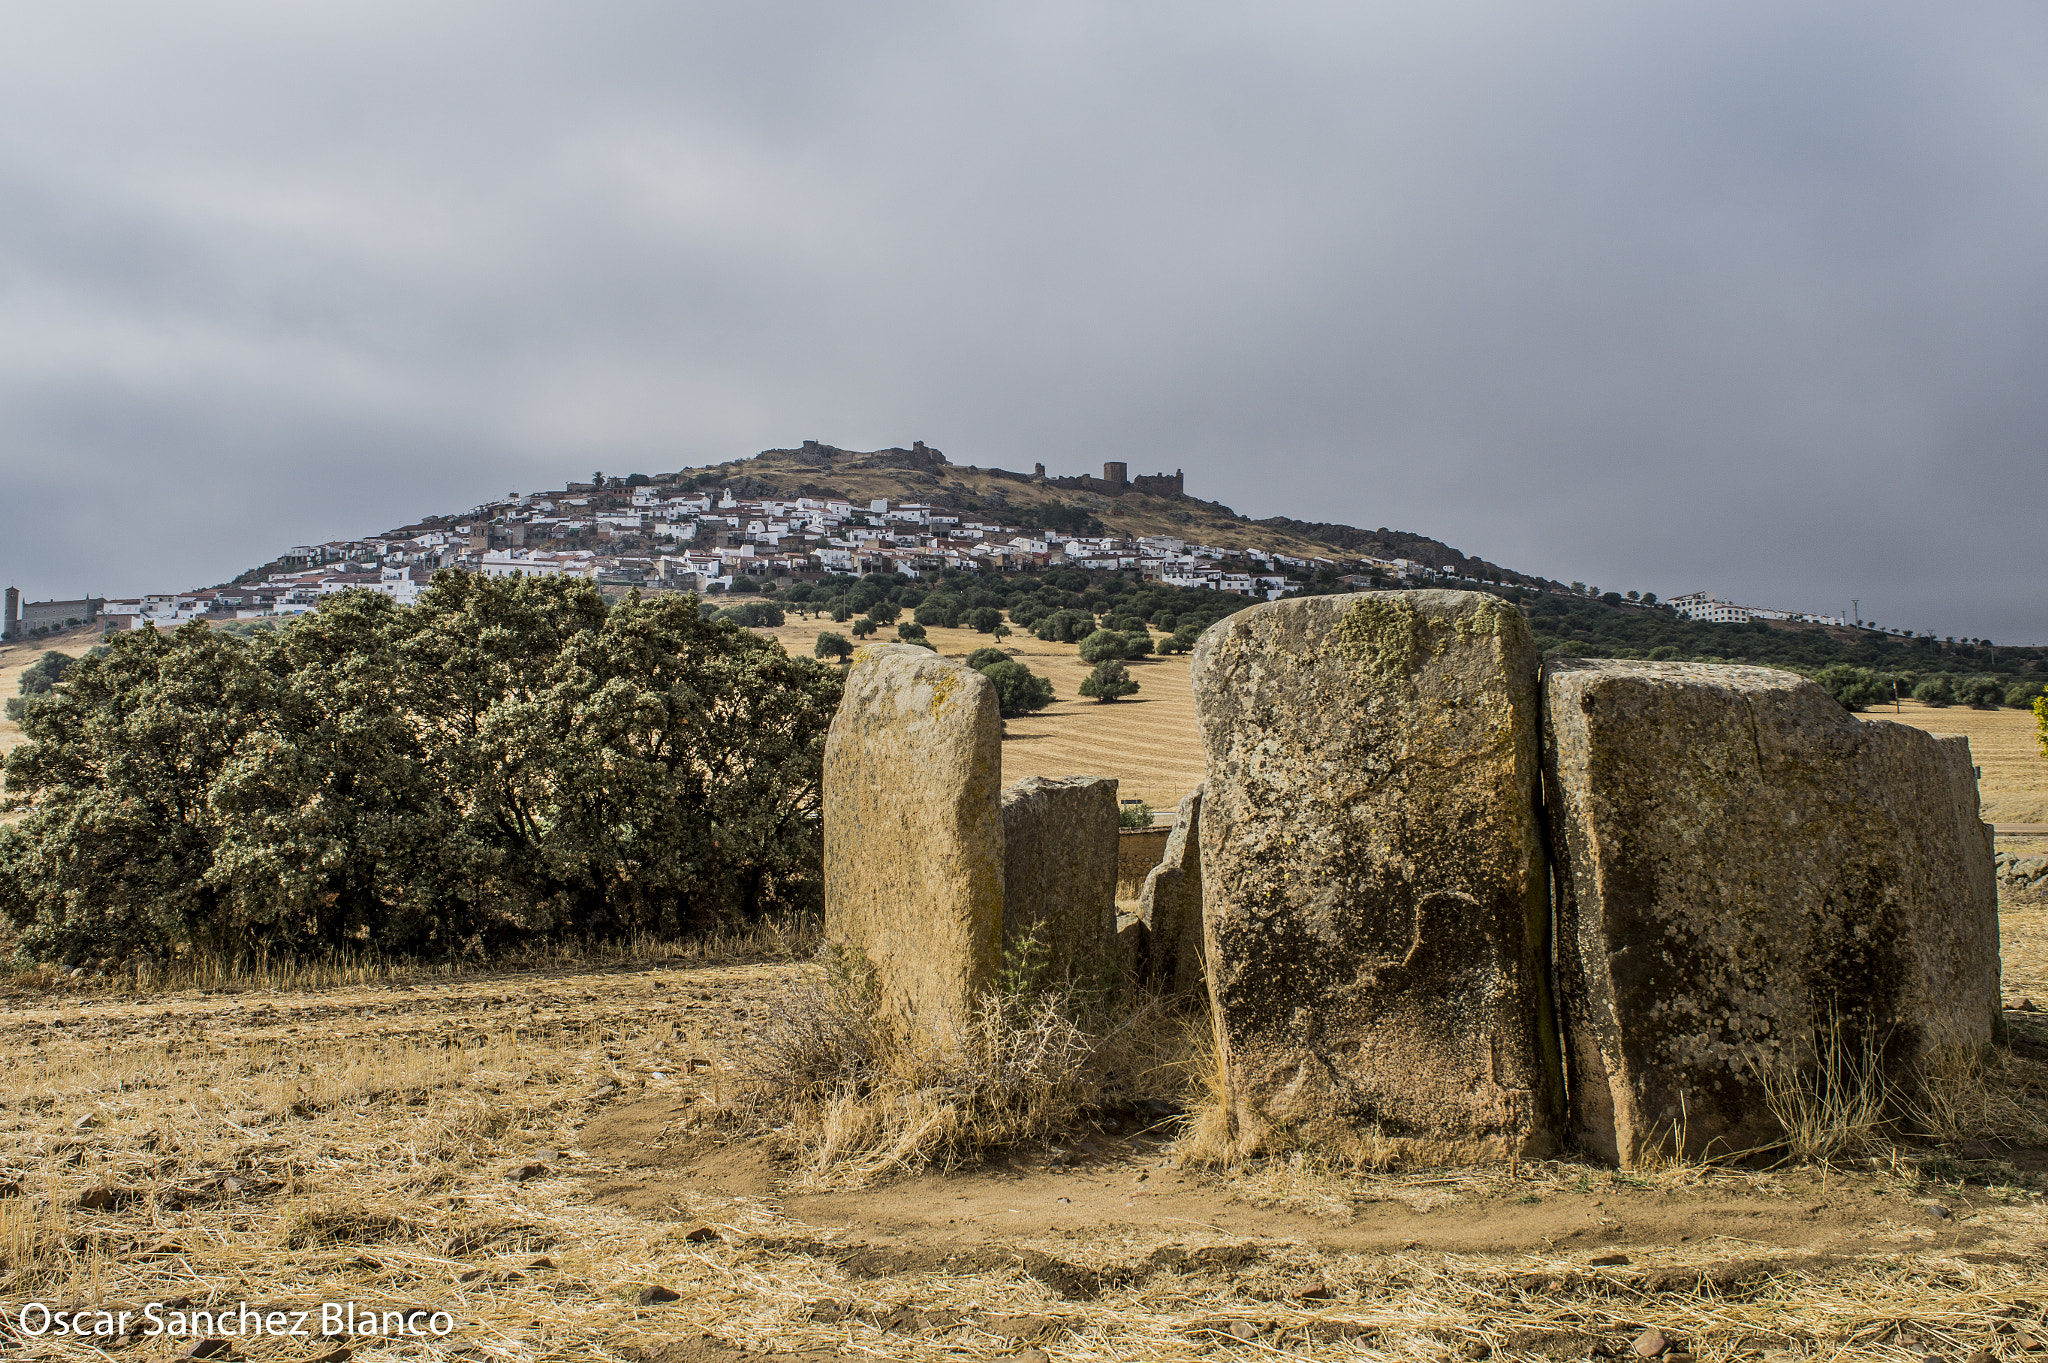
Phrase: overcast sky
{"type": "Point", "coordinates": [1750, 297]}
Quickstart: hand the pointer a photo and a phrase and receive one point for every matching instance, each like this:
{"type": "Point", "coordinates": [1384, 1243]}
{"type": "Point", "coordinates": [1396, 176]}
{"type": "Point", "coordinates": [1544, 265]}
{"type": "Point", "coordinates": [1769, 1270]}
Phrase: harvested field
{"type": "Point", "coordinates": [538, 1154]}
{"type": "Point", "coordinates": [1148, 741]}
{"type": "Point", "coordinates": [16, 658]}
{"type": "Point", "coordinates": [2003, 743]}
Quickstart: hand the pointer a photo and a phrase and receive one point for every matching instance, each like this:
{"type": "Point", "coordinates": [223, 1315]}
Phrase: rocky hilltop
{"type": "Point", "coordinates": [1135, 505]}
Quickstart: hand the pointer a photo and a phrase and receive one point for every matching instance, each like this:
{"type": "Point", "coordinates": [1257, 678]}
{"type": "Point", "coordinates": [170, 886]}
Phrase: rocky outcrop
{"type": "Point", "coordinates": [1372, 861]}
{"type": "Point", "coordinates": [914, 832]}
{"type": "Point", "coordinates": [1752, 881]}
{"type": "Point", "coordinates": [1059, 878]}
{"type": "Point", "coordinates": [1170, 904]}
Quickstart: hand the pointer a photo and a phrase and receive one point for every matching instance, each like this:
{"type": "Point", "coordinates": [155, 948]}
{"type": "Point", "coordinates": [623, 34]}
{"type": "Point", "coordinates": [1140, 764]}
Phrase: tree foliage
{"type": "Point", "coordinates": [1110, 680]}
{"type": "Point", "coordinates": [507, 759]}
{"type": "Point", "coordinates": [1103, 645]}
{"type": "Point", "coordinates": [1019, 690]}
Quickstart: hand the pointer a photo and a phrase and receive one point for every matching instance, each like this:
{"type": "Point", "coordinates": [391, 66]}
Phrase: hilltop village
{"type": "Point", "coordinates": [715, 532]}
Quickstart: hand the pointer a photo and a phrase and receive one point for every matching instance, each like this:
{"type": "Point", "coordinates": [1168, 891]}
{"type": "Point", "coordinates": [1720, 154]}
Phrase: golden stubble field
{"type": "Point", "coordinates": [1148, 741]}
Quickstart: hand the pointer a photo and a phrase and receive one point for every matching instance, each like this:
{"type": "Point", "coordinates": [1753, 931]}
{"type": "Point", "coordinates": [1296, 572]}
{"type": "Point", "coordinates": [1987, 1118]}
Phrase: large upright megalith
{"type": "Point", "coordinates": [1749, 879]}
{"type": "Point", "coordinates": [1170, 904]}
{"type": "Point", "coordinates": [1374, 874]}
{"type": "Point", "coordinates": [914, 832]}
{"type": "Point", "coordinates": [1059, 878]}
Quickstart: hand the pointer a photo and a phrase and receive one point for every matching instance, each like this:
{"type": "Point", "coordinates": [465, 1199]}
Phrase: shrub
{"type": "Point", "coordinates": [1137, 644]}
{"type": "Point", "coordinates": [1936, 691]}
{"type": "Point", "coordinates": [982, 657]}
{"type": "Point", "coordinates": [1110, 680]}
{"type": "Point", "coordinates": [1981, 693]}
{"type": "Point", "coordinates": [1856, 688]}
{"type": "Point", "coordinates": [2020, 695]}
{"type": "Point", "coordinates": [910, 632]}
{"type": "Point", "coordinates": [505, 760]}
{"type": "Point", "coordinates": [1104, 645]}
{"type": "Point", "coordinates": [1134, 814]}
{"type": "Point", "coordinates": [1019, 690]}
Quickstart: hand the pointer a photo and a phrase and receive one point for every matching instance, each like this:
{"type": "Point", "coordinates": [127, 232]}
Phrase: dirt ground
{"type": "Point", "coordinates": [539, 1155]}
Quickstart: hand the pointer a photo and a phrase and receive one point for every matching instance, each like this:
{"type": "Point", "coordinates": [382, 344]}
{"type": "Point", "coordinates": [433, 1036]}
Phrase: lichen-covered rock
{"type": "Point", "coordinates": [1377, 905]}
{"type": "Point", "coordinates": [1059, 878]}
{"type": "Point", "coordinates": [1170, 904]}
{"type": "Point", "coordinates": [914, 832]}
{"type": "Point", "coordinates": [1750, 877]}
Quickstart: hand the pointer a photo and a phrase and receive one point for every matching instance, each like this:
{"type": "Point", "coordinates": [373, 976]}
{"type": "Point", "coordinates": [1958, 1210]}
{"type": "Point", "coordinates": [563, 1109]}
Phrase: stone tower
{"type": "Point", "coordinates": [1116, 474]}
{"type": "Point", "coordinates": [8, 621]}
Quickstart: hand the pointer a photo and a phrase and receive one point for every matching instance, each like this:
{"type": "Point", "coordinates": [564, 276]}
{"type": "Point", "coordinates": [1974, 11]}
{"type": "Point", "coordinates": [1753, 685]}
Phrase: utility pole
{"type": "Point", "coordinates": [1856, 609]}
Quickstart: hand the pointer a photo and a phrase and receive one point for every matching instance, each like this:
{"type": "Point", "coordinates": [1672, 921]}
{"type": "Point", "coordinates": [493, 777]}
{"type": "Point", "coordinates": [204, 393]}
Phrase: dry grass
{"type": "Point", "coordinates": [354, 1143]}
{"type": "Point", "coordinates": [851, 1098]}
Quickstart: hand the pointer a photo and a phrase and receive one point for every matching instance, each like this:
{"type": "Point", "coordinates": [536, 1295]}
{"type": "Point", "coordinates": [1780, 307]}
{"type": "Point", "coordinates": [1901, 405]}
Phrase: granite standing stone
{"type": "Point", "coordinates": [1749, 875]}
{"type": "Point", "coordinates": [914, 832]}
{"type": "Point", "coordinates": [1170, 904]}
{"type": "Point", "coordinates": [1059, 876]}
{"type": "Point", "coordinates": [1377, 903]}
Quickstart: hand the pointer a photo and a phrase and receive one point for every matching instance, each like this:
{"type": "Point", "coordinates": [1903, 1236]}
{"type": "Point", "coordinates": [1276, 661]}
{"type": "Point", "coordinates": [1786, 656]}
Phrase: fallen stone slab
{"type": "Point", "coordinates": [1170, 905]}
{"type": "Point", "coordinates": [1752, 879]}
{"type": "Point", "coordinates": [1372, 861]}
{"type": "Point", "coordinates": [914, 833]}
{"type": "Point", "coordinates": [1059, 879]}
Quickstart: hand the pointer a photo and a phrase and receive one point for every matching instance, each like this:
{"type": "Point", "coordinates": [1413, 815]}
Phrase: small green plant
{"type": "Point", "coordinates": [1134, 814]}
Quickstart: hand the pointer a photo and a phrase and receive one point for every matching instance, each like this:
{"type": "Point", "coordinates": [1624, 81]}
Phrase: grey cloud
{"type": "Point", "coordinates": [1744, 296]}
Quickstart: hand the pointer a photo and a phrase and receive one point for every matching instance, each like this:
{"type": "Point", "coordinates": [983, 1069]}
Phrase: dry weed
{"type": "Point", "coordinates": [852, 1097]}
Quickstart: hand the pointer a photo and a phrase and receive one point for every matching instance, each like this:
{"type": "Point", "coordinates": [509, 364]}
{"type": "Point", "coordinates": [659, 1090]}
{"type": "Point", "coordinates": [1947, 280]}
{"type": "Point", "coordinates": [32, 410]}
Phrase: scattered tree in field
{"type": "Point", "coordinates": [1019, 690]}
{"type": "Point", "coordinates": [910, 632]}
{"type": "Point", "coordinates": [1936, 691]}
{"type": "Point", "coordinates": [863, 627]}
{"type": "Point", "coordinates": [1110, 680]}
{"type": "Point", "coordinates": [984, 657]}
{"type": "Point", "coordinates": [1138, 643]}
{"type": "Point", "coordinates": [833, 646]}
{"type": "Point", "coordinates": [1103, 645]}
{"type": "Point", "coordinates": [984, 619]}
{"type": "Point", "coordinates": [1980, 693]}
{"type": "Point", "coordinates": [1001, 631]}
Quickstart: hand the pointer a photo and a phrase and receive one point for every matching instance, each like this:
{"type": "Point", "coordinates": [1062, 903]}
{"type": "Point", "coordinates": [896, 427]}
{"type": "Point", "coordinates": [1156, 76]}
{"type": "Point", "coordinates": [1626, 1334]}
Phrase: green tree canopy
{"type": "Point", "coordinates": [1019, 690]}
{"type": "Point", "coordinates": [507, 759]}
{"type": "Point", "coordinates": [1110, 680]}
{"type": "Point", "coordinates": [1103, 645]}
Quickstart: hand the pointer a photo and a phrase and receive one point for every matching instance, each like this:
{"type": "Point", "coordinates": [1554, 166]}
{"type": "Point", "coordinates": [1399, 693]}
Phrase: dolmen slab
{"type": "Point", "coordinates": [1170, 905]}
{"type": "Point", "coordinates": [1059, 879]}
{"type": "Point", "coordinates": [1750, 877]}
{"type": "Point", "coordinates": [914, 833]}
{"type": "Point", "coordinates": [1377, 907]}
